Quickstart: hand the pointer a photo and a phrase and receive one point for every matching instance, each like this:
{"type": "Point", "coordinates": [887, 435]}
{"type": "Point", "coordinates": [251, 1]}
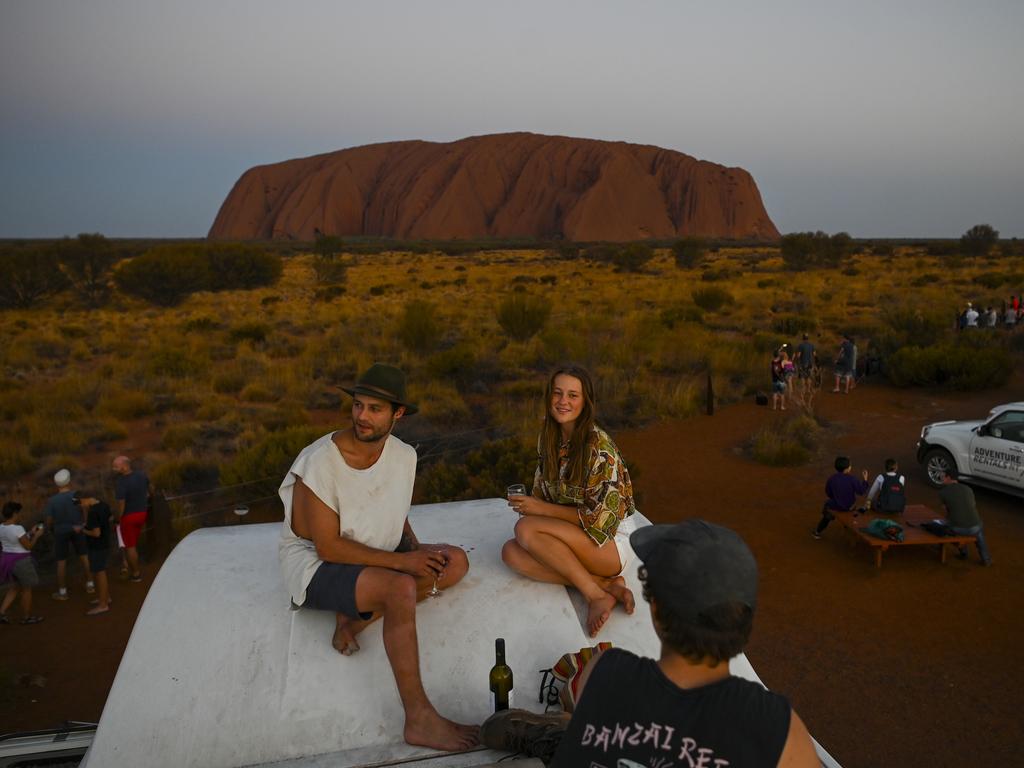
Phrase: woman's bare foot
{"type": "Point", "coordinates": [344, 640]}
{"type": "Point", "coordinates": [429, 729]}
{"type": "Point", "coordinates": [598, 611]}
{"type": "Point", "coordinates": [617, 588]}
{"type": "Point", "coordinates": [98, 610]}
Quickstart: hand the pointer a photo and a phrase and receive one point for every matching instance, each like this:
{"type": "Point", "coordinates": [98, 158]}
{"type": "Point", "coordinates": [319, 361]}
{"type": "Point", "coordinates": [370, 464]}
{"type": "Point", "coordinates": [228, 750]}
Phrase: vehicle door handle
{"type": "Point", "coordinates": [1016, 449]}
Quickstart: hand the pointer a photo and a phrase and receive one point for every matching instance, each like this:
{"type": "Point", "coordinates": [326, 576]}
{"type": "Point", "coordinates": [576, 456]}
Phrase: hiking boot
{"type": "Point", "coordinates": [520, 731]}
{"type": "Point", "coordinates": [90, 588]}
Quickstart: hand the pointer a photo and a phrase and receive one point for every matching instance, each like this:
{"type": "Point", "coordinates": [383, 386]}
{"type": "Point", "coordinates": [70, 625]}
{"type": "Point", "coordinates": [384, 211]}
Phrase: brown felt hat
{"type": "Point", "coordinates": [383, 381]}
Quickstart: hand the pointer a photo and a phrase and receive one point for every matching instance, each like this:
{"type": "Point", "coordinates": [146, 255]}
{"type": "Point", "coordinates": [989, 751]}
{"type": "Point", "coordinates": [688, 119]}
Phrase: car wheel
{"type": "Point", "coordinates": [936, 462]}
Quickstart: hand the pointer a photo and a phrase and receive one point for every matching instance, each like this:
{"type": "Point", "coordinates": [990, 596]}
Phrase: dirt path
{"type": "Point", "coordinates": [913, 664]}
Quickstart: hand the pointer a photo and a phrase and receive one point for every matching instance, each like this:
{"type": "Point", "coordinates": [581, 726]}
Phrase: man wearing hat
{"type": "Point", "coordinates": [685, 708]}
{"type": "Point", "coordinates": [64, 518]}
{"type": "Point", "coordinates": [347, 546]}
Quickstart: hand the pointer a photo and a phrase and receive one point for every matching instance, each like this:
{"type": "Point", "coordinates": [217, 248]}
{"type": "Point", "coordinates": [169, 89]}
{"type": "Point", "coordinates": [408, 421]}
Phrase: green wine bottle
{"type": "Point", "coordinates": [500, 678]}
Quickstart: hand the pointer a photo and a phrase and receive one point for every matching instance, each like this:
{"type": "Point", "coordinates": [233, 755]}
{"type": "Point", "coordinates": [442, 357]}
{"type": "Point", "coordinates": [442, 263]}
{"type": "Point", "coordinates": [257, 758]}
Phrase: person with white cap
{"type": "Point", "coordinates": [64, 518]}
{"type": "Point", "coordinates": [684, 708]}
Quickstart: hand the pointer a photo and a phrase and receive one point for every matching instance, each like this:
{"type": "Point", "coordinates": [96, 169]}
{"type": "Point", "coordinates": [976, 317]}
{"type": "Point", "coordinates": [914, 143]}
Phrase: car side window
{"type": "Point", "coordinates": [1008, 426]}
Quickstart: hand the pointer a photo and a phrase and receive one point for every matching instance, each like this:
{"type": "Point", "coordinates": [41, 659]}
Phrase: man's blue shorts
{"type": "Point", "coordinates": [333, 588]}
{"type": "Point", "coordinates": [66, 540]}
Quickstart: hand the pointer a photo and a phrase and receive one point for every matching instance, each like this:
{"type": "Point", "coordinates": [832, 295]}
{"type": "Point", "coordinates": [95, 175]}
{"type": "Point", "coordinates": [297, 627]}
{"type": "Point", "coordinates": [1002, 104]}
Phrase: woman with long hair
{"type": "Point", "coordinates": [574, 527]}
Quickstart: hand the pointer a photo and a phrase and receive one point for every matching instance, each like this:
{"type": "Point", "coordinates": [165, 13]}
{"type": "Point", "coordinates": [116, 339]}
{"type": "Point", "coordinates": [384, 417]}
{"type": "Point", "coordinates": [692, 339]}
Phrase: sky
{"type": "Point", "coordinates": [134, 118]}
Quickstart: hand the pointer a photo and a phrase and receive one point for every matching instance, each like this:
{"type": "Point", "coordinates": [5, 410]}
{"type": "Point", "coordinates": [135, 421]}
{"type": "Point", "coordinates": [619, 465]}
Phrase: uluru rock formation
{"type": "Point", "coordinates": [504, 185]}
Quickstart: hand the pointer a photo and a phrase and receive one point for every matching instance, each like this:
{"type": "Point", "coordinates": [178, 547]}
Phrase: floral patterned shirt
{"type": "Point", "coordinates": [604, 500]}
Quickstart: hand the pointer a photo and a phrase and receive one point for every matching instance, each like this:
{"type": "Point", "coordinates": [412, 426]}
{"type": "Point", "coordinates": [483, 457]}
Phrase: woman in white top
{"type": "Point", "coordinates": [16, 563]}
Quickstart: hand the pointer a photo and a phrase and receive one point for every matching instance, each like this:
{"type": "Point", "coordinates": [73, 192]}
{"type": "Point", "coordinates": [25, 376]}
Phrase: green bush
{"type": "Point", "coordinates": [991, 279]}
{"type": "Point", "coordinates": [672, 316]}
{"type": "Point", "coordinates": [229, 381]}
{"type": "Point", "coordinates": [522, 316]}
{"type": "Point", "coordinates": [253, 331]}
{"type": "Point", "coordinates": [790, 325]}
{"type": "Point", "coordinates": [180, 437]}
{"type": "Point", "coordinates": [233, 266]}
{"type": "Point", "coordinates": [187, 474]}
{"type": "Point", "coordinates": [418, 328]}
{"type": "Point", "coordinates": [86, 262]}
{"type": "Point", "coordinates": [174, 363]}
{"type": "Point", "coordinates": [270, 457]}
{"type": "Point", "coordinates": [978, 240]}
{"type": "Point", "coordinates": [201, 324]}
{"type": "Point", "coordinates": [689, 252]}
{"type": "Point", "coordinates": [953, 366]}
{"type": "Point", "coordinates": [711, 298]}
{"type": "Point", "coordinates": [164, 275]}
{"type": "Point", "coordinates": [126, 404]}
{"type": "Point", "coordinates": [28, 275]}
{"type": "Point", "coordinates": [633, 257]}
{"type": "Point", "coordinates": [789, 445]}
{"type": "Point", "coordinates": [15, 460]}
{"type": "Point", "coordinates": [485, 473]}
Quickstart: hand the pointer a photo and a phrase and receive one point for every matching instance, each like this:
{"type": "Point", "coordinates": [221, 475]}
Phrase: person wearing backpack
{"type": "Point", "coordinates": [888, 493]}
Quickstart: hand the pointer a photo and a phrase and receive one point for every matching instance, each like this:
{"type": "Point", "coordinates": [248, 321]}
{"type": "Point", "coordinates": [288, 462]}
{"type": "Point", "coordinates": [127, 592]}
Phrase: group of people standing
{"type": "Point", "coordinates": [347, 547]}
{"type": "Point", "coordinates": [80, 522]}
{"type": "Point", "coordinates": [1011, 316]}
{"type": "Point", "coordinates": [796, 374]}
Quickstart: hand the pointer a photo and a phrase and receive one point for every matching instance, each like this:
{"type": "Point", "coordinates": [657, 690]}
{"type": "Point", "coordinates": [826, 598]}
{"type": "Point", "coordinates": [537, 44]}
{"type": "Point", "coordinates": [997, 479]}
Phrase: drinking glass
{"type": "Point", "coordinates": [517, 489]}
{"type": "Point", "coordinates": [434, 591]}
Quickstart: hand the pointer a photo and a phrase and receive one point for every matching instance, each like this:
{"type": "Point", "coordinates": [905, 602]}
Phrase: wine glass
{"type": "Point", "coordinates": [516, 489]}
{"type": "Point", "coordinates": [434, 591]}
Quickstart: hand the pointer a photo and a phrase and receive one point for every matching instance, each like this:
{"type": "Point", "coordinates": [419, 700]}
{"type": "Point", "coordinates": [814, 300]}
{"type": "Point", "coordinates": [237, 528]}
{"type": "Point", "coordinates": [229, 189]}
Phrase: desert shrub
{"type": "Point", "coordinates": [328, 266]}
{"type": "Point", "coordinates": [234, 266]}
{"type": "Point", "coordinates": [457, 364]}
{"type": "Point", "coordinates": [790, 325]}
{"type": "Point", "coordinates": [953, 366]}
{"type": "Point", "coordinates": [15, 460]}
{"type": "Point", "coordinates": [485, 473]}
{"type": "Point", "coordinates": [441, 404]}
{"type": "Point", "coordinates": [711, 298]}
{"type": "Point", "coordinates": [229, 381]}
{"type": "Point", "coordinates": [126, 404]}
{"type": "Point", "coordinates": [96, 432]}
{"type": "Point", "coordinates": [164, 275]}
{"type": "Point", "coordinates": [257, 392]}
{"type": "Point", "coordinates": [200, 324]}
{"type": "Point", "coordinates": [269, 457]}
{"type": "Point", "coordinates": [28, 275]}
{"type": "Point", "coordinates": [253, 331]}
{"type": "Point", "coordinates": [632, 257]}
{"type": "Point", "coordinates": [283, 416]}
{"type": "Point", "coordinates": [689, 252]}
{"type": "Point", "coordinates": [521, 315]}
{"type": "Point", "coordinates": [180, 437]}
{"type": "Point", "coordinates": [713, 275]}
{"type": "Point", "coordinates": [418, 328]}
{"type": "Point", "coordinates": [927, 278]}
{"type": "Point", "coordinates": [911, 326]}
{"type": "Point", "coordinates": [789, 445]}
{"type": "Point", "coordinates": [174, 363]}
{"type": "Point", "coordinates": [187, 474]}
{"type": "Point", "coordinates": [46, 433]}
{"type": "Point", "coordinates": [672, 316]}
{"type": "Point", "coordinates": [804, 250]}
{"type": "Point", "coordinates": [978, 240]}
{"type": "Point", "coordinates": [86, 263]}
{"type": "Point", "coordinates": [991, 279]}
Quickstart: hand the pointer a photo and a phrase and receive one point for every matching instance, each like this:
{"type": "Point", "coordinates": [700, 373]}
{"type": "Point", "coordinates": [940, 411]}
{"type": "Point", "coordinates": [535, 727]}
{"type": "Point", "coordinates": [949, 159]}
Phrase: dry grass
{"type": "Point", "coordinates": [221, 372]}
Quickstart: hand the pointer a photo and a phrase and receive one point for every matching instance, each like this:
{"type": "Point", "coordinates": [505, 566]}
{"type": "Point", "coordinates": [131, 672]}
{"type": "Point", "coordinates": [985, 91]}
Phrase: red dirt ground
{"type": "Point", "coordinates": [915, 663]}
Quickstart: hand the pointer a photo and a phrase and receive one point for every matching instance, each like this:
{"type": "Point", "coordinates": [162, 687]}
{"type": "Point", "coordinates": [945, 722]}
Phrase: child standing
{"type": "Point", "coordinates": [16, 562]}
{"type": "Point", "coordinates": [842, 490]}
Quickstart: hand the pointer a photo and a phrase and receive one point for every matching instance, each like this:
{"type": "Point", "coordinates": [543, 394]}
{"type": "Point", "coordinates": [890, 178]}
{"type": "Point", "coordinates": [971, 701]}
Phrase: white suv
{"type": "Point", "coordinates": [988, 452]}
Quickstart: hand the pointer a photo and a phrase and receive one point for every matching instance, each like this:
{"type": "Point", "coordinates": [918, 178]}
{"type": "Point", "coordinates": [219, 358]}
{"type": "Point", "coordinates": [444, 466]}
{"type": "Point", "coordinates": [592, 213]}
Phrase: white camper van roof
{"type": "Point", "coordinates": [220, 672]}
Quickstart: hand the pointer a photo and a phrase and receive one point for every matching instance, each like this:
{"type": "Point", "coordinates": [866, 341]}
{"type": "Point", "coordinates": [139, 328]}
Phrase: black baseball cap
{"type": "Point", "coordinates": [695, 565]}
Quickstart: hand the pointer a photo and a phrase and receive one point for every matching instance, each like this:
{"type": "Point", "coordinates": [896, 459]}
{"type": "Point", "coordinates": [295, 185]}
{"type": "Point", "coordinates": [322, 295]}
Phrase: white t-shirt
{"type": "Point", "coordinates": [372, 504]}
{"type": "Point", "coordinates": [10, 538]}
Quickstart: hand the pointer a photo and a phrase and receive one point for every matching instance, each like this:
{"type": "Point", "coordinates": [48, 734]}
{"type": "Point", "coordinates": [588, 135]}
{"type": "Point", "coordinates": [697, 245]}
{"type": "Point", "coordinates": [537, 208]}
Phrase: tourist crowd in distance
{"type": "Point", "coordinates": [80, 523]}
{"type": "Point", "coordinates": [797, 375]}
{"type": "Point", "coordinates": [1010, 317]}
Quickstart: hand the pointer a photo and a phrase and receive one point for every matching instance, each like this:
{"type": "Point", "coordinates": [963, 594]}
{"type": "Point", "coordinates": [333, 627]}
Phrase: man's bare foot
{"type": "Point", "coordinates": [598, 611]}
{"type": "Point", "coordinates": [432, 730]}
{"type": "Point", "coordinates": [344, 640]}
{"type": "Point", "coordinates": [617, 588]}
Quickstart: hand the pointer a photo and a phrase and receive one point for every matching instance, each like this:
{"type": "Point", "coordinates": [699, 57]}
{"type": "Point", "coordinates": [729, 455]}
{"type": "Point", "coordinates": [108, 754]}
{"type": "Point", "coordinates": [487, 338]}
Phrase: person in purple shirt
{"type": "Point", "coordinates": [842, 490]}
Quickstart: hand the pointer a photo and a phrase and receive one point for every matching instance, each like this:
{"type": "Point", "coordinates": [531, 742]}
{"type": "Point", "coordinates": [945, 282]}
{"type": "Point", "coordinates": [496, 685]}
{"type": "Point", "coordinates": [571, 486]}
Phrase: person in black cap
{"type": "Point", "coordinates": [347, 546]}
{"type": "Point", "coordinates": [684, 708]}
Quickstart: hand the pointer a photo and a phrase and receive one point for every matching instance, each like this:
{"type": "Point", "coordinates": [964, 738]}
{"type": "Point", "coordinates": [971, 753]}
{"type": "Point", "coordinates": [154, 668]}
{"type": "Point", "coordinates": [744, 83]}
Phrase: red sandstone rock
{"type": "Point", "coordinates": [504, 185]}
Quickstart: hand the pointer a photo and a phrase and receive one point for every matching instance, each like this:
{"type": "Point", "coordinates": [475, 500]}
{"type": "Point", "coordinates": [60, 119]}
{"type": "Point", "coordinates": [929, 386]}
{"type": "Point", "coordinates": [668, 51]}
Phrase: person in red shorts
{"type": "Point", "coordinates": [132, 494]}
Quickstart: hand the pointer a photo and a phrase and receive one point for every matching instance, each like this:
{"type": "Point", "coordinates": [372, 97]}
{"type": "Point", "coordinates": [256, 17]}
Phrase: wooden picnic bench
{"type": "Point", "coordinates": [913, 534]}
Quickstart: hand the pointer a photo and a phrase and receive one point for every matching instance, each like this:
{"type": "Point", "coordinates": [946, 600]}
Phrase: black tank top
{"type": "Point", "coordinates": [630, 714]}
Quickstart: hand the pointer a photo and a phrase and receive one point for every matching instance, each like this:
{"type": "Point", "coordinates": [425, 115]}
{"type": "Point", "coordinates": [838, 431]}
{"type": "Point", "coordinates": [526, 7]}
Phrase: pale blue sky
{"type": "Point", "coordinates": [883, 119]}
